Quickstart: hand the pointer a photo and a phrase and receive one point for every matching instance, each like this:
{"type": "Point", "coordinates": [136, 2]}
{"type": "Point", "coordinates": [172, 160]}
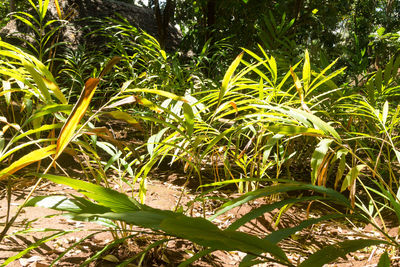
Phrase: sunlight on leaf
{"type": "Point", "coordinates": [26, 160]}
{"type": "Point", "coordinates": [76, 115]}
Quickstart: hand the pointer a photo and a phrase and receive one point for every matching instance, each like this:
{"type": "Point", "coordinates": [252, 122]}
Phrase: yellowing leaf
{"type": "Point", "coordinates": [318, 157]}
{"type": "Point", "coordinates": [120, 115]}
{"type": "Point", "coordinates": [58, 9]}
{"type": "Point", "coordinates": [109, 65]}
{"type": "Point", "coordinates": [297, 83]}
{"type": "Point", "coordinates": [299, 88]}
{"type": "Point", "coordinates": [26, 160]}
{"type": "Point", "coordinates": [233, 104]}
{"type": "Point", "coordinates": [147, 103]}
{"type": "Point", "coordinates": [56, 90]}
{"type": "Point", "coordinates": [76, 115]}
{"type": "Point", "coordinates": [306, 71]}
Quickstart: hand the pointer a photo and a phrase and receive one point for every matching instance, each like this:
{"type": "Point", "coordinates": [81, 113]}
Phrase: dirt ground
{"type": "Point", "coordinates": [164, 193]}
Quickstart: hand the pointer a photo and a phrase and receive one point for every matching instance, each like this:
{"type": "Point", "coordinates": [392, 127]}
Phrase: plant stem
{"type": "Point", "coordinates": [11, 222]}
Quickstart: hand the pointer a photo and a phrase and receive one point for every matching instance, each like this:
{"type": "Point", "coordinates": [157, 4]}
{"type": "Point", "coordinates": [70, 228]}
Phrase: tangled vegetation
{"type": "Point", "coordinates": [276, 121]}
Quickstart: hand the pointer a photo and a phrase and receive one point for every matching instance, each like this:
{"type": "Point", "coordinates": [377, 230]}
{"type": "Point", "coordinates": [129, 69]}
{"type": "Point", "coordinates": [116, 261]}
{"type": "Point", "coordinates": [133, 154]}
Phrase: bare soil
{"type": "Point", "coordinates": [164, 193]}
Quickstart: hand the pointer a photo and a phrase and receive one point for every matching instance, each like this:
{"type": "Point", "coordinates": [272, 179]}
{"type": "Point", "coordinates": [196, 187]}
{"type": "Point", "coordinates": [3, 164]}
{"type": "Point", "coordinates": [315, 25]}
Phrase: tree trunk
{"type": "Point", "coordinates": [163, 19]}
{"type": "Point", "coordinates": [211, 11]}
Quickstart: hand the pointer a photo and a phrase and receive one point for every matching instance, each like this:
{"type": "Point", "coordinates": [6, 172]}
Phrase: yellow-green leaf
{"type": "Point", "coordinates": [26, 160]}
{"type": "Point", "coordinates": [120, 115]}
{"type": "Point", "coordinates": [189, 118]}
{"type": "Point", "coordinates": [111, 258]}
{"type": "Point", "coordinates": [147, 103]}
{"type": "Point", "coordinates": [39, 82]}
{"type": "Point", "coordinates": [294, 130]}
{"type": "Point", "coordinates": [297, 84]}
{"type": "Point", "coordinates": [306, 71]}
{"type": "Point", "coordinates": [56, 90]}
{"type": "Point", "coordinates": [109, 65]}
{"type": "Point", "coordinates": [76, 115]}
{"type": "Point", "coordinates": [158, 92]}
{"type": "Point", "coordinates": [351, 176]}
{"type": "Point", "coordinates": [228, 76]}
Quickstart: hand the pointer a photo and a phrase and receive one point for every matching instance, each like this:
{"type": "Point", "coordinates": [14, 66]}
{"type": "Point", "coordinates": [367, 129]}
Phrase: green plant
{"type": "Point", "coordinates": [34, 79]}
{"type": "Point", "coordinates": [44, 39]}
{"type": "Point", "coordinates": [113, 205]}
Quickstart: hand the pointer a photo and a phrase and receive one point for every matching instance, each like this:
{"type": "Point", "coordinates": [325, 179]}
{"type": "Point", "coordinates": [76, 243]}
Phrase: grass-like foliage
{"type": "Point", "coordinates": [272, 125]}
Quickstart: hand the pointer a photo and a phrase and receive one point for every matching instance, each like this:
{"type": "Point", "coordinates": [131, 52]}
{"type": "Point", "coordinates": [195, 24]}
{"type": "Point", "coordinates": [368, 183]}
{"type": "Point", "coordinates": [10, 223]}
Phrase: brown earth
{"type": "Point", "coordinates": [164, 193]}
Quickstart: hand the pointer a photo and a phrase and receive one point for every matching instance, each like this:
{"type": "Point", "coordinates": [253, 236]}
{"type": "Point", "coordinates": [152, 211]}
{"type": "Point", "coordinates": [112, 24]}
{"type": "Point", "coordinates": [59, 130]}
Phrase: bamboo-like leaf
{"type": "Point", "coordinates": [378, 81]}
{"type": "Point", "coordinates": [42, 128]}
{"type": "Point", "coordinates": [63, 203]}
{"type": "Point", "coordinates": [216, 140]}
{"type": "Point", "coordinates": [76, 115]}
{"type": "Point", "coordinates": [341, 168]}
{"type": "Point", "coordinates": [297, 84]}
{"type": "Point", "coordinates": [370, 91]}
{"type": "Point", "coordinates": [56, 90]}
{"type": "Point", "coordinates": [299, 88]}
{"type": "Point", "coordinates": [158, 92]}
{"type": "Point", "coordinates": [274, 69]}
{"type": "Point", "coordinates": [332, 252]}
{"type": "Point", "coordinates": [294, 130]}
{"type": "Point", "coordinates": [351, 176]}
{"type": "Point", "coordinates": [39, 82]}
{"type": "Point", "coordinates": [44, 8]}
{"type": "Point", "coordinates": [6, 91]}
{"type": "Point", "coordinates": [106, 197]}
{"type": "Point", "coordinates": [318, 157]}
{"type": "Point", "coordinates": [228, 77]}
{"type": "Point", "coordinates": [147, 103]}
{"type": "Point", "coordinates": [126, 100]}
{"type": "Point", "coordinates": [197, 230]}
{"type": "Point", "coordinates": [268, 208]}
{"type": "Point", "coordinates": [384, 260]}
{"type": "Point", "coordinates": [277, 236]}
{"type": "Point", "coordinates": [58, 9]}
{"type": "Point", "coordinates": [120, 115]}
{"type": "Point", "coordinates": [318, 123]}
{"type": "Point", "coordinates": [26, 160]}
{"type": "Point", "coordinates": [189, 118]}
{"type": "Point", "coordinates": [306, 71]}
{"type": "Point", "coordinates": [285, 187]}
{"type": "Point", "coordinates": [385, 112]}
{"type": "Point", "coordinates": [207, 234]}
{"type": "Point", "coordinates": [109, 66]}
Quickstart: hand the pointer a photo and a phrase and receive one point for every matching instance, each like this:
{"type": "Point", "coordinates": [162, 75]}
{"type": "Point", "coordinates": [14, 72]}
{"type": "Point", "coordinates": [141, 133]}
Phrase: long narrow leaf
{"type": "Point", "coordinates": [76, 115]}
{"type": "Point", "coordinates": [26, 160]}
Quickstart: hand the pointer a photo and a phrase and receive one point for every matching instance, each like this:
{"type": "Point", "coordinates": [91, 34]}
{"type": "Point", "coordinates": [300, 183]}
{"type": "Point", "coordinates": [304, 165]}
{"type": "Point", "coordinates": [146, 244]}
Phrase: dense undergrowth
{"type": "Point", "coordinates": [252, 123]}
